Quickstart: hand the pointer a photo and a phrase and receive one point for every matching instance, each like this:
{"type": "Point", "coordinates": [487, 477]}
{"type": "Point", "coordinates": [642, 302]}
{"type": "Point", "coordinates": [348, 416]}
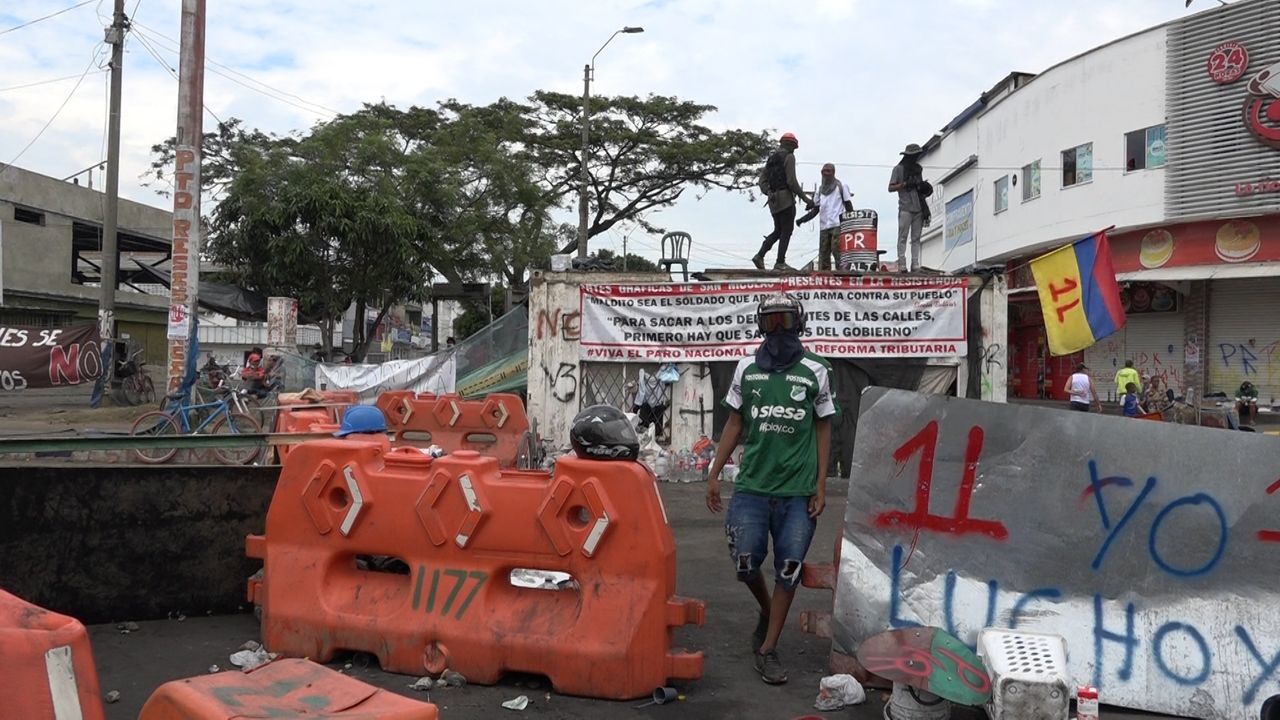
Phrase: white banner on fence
{"type": "Point", "coordinates": [433, 374]}
{"type": "Point", "coordinates": [852, 317]}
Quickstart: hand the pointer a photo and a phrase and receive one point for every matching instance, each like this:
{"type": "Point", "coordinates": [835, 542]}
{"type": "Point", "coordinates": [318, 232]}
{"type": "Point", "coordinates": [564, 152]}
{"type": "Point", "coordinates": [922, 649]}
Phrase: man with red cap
{"type": "Point", "coordinates": [779, 184]}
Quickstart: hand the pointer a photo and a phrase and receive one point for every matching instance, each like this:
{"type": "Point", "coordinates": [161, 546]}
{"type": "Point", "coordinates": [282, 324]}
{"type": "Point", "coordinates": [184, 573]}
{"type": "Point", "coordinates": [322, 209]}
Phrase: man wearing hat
{"type": "Point", "coordinates": [907, 180]}
{"type": "Point", "coordinates": [779, 184]}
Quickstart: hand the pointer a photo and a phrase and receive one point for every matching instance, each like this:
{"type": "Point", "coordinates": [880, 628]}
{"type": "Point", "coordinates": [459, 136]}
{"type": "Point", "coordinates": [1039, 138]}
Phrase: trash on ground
{"type": "Point", "coordinates": [251, 645]}
{"type": "Point", "coordinates": [837, 691]}
{"type": "Point", "coordinates": [453, 679]}
{"type": "Point", "coordinates": [423, 684]}
{"type": "Point", "coordinates": [250, 659]}
{"type": "Point", "coordinates": [113, 696]}
{"type": "Point", "coordinates": [214, 669]}
{"type": "Point", "coordinates": [517, 703]}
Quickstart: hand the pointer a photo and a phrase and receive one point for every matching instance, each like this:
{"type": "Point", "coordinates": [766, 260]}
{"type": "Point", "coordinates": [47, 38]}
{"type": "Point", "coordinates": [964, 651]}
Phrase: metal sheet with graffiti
{"type": "Point", "coordinates": [1150, 547]}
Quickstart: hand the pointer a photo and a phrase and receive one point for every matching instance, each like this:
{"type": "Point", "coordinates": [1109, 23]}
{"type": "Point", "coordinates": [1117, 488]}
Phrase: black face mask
{"type": "Point", "coordinates": [780, 351]}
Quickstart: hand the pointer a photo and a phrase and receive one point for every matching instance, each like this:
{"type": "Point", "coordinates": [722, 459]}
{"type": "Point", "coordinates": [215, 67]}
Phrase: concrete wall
{"type": "Point", "coordinates": [1096, 97]}
{"type": "Point", "coordinates": [117, 542]}
{"type": "Point", "coordinates": [37, 258]}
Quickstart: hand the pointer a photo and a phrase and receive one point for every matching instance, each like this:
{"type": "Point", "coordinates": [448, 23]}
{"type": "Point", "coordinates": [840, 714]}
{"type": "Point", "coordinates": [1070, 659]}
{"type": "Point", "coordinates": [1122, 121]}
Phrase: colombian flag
{"type": "Point", "coordinates": [1078, 294]}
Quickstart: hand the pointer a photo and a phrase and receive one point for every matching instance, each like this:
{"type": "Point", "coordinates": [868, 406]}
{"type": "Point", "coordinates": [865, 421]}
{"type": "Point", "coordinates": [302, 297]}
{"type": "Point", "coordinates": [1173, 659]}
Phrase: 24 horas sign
{"type": "Point", "coordinates": [876, 317]}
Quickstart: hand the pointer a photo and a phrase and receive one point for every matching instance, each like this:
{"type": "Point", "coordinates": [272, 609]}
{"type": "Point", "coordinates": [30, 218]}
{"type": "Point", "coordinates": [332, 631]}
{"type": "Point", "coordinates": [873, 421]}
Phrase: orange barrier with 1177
{"type": "Point", "coordinates": [461, 526]}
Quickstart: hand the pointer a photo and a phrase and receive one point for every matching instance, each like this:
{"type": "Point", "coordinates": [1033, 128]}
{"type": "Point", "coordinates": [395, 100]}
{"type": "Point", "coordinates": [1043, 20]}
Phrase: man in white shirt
{"type": "Point", "coordinates": [833, 198]}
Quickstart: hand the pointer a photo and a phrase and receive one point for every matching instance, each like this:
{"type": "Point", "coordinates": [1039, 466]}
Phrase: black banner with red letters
{"type": "Point", "coordinates": [35, 357]}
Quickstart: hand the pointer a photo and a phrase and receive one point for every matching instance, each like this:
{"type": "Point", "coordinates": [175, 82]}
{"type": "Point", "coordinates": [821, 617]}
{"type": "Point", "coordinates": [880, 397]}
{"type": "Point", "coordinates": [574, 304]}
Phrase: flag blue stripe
{"type": "Point", "coordinates": [1101, 324]}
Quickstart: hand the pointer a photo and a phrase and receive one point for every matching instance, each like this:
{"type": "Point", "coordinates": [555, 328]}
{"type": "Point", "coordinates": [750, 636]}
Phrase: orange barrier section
{"type": "Point", "coordinates": [493, 425]}
{"type": "Point", "coordinates": [461, 526]}
{"type": "Point", "coordinates": [47, 666]}
{"type": "Point", "coordinates": [300, 416]}
{"type": "Point", "coordinates": [281, 689]}
{"type": "Point", "coordinates": [823, 576]}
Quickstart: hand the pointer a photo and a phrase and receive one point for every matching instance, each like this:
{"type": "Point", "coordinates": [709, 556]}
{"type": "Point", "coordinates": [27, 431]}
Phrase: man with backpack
{"type": "Point", "coordinates": [913, 209]}
{"type": "Point", "coordinates": [779, 184]}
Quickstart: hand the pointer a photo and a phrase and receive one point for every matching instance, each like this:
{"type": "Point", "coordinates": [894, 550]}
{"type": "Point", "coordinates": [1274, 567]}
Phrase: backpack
{"type": "Point", "coordinates": [775, 171]}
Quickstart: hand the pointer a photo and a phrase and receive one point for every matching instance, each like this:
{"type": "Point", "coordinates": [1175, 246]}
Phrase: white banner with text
{"type": "Point", "coordinates": [872, 317]}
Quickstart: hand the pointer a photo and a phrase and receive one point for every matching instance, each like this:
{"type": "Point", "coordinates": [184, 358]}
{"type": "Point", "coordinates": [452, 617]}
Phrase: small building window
{"type": "Point", "coordinates": [1077, 165]}
{"type": "Point", "coordinates": [1144, 149]}
{"type": "Point", "coordinates": [1002, 194]}
{"type": "Point", "coordinates": [1031, 181]}
{"type": "Point", "coordinates": [35, 217]}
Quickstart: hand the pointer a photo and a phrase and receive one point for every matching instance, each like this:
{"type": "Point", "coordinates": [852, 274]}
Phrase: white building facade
{"type": "Point", "coordinates": [1169, 138]}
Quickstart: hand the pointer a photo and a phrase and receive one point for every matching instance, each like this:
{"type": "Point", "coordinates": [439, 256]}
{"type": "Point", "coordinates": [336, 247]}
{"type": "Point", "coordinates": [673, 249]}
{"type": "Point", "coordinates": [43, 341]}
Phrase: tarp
{"type": "Point", "coordinates": [431, 374]}
{"type": "Point", "coordinates": [496, 359]}
{"type": "Point", "coordinates": [1146, 545]}
{"type": "Point", "coordinates": [222, 298]}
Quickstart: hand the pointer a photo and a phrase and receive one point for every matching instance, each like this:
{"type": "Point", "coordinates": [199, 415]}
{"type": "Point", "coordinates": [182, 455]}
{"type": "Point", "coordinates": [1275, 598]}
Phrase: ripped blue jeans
{"type": "Point", "coordinates": [752, 519]}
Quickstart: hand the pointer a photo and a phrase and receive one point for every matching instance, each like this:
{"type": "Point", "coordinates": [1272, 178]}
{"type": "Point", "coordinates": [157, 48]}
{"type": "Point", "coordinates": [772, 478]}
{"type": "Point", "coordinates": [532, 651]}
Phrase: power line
{"type": "Point", "coordinates": [1095, 168]}
{"type": "Point", "coordinates": [281, 95]}
{"type": "Point", "coordinates": [46, 17]}
{"type": "Point", "coordinates": [96, 51]}
{"type": "Point", "coordinates": [64, 78]}
{"type": "Point", "coordinates": [173, 73]}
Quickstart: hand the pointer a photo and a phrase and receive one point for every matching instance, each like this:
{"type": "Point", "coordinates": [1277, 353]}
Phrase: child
{"type": "Point", "coordinates": [1129, 401]}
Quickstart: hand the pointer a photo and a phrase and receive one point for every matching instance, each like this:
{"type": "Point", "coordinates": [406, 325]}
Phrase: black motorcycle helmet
{"type": "Point", "coordinates": [779, 312]}
{"type": "Point", "coordinates": [603, 432]}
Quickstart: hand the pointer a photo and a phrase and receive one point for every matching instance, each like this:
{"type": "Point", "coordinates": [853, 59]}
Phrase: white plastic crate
{"type": "Point", "coordinates": [1029, 679]}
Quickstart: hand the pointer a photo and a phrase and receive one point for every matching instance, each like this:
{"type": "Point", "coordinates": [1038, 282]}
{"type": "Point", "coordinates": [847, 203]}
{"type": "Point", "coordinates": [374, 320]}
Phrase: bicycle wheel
{"type": "Point", "coordinates": [148, 390]}
{"type": "Point", "coordinates": [236, 424]}
{"type": "Point", "coordinates": [132, 390]}
{"type": "Point", "coordinates": [155, 424]}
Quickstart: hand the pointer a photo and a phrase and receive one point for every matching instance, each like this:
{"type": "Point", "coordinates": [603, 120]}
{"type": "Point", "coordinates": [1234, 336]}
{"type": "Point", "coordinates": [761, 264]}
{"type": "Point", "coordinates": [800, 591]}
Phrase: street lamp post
{"type": "Point", "coordinates": [587, 71]}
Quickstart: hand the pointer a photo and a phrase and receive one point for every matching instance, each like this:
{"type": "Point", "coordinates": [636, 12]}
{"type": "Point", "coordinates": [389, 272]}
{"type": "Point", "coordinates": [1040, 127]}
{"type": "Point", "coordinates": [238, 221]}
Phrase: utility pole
{"type": "Point", "coordinates": [582, 187]}
{"type": "Point", "coordinates": [624, 251]}
{"type": "Point", "coordinates": [184, 282]}
{"type": "Point", "coordinates": [110, 261]}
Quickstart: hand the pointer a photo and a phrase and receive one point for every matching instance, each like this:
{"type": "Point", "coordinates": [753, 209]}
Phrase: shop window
{"type": "Point", "coordinates": [1077, 165]}
{"type": "Point", "coordinates": [1031, 181]}
{"type": "Point", "coordinates": [1144, 149]}
{"type": "Point", "coordinates": [1002, 194]}
{"type": "Point", "coordinates": [23, 215]}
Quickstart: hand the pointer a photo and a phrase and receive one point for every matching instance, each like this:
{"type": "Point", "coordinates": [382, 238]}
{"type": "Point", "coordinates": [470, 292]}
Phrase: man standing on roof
{"type": "Point", "coordinates": [908, 181]}
{"type": "Point", "coordinates": [779, 184]}
{"type": "Point", "coordinates": [833, 199]}
{"type": "Point", "coordinates": [781, 405]}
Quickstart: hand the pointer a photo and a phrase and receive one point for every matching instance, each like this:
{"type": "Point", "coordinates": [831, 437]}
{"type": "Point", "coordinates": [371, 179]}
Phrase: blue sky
{"type": "Point", "coordinates": [855, 80]}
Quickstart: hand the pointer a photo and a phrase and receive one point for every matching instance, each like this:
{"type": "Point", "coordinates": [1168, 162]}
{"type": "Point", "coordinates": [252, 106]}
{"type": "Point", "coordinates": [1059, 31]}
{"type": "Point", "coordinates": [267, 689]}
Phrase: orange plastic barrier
{"type": "Point", "coordinates": [48, 669]}
{"type": "Point", "coordinates": [299, 416]}
{"type": "Point", "coordinates": [281, 689]}
{"type": "Point", "coordinates": [461, 526]}
{"type": "Point", "coordinates": [493, 425]}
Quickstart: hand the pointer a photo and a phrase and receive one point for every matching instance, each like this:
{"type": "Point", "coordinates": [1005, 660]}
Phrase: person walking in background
{"type": "Point", "coordinates": [1126, 375]}
{"type": "Point", "coordinates": [781, 188]}
{"type": "Point", "coordinates": [1080, 387]}
{"type": "Point", "coordinates": [1129, 404]}
{"type": "Point", "coordinates": [907, 180]}
{"type": "Point", "coordinates": [833, 199]}
{"type": "Point", "coordinates": [780, 404]}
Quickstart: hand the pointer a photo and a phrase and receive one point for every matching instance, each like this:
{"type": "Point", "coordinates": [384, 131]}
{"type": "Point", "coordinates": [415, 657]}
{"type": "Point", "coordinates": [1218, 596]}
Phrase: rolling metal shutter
{"type": "Point", "coordinates": [1153, 341]}
{"type": "Point", "coordinates": [1244, 336]}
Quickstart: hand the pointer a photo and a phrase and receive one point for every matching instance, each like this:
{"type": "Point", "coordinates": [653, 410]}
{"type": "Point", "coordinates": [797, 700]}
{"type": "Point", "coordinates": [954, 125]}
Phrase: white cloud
{"type": "Point", "coordinates": [856, 80]}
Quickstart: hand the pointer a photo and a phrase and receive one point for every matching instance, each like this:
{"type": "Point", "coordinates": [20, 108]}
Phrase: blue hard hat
{"type": "Point", "coordinates": [362, 419]}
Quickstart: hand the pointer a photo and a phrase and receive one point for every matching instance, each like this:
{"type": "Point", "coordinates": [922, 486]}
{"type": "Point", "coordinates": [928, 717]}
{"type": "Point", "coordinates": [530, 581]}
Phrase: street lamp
{"type": "Point", "coordinates": [587, 71]}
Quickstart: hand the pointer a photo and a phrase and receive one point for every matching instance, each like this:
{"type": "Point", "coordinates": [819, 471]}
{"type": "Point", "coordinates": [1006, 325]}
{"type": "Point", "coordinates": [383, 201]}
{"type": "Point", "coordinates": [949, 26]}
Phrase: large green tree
{"type": "Point", "coordinates": [369, 208]}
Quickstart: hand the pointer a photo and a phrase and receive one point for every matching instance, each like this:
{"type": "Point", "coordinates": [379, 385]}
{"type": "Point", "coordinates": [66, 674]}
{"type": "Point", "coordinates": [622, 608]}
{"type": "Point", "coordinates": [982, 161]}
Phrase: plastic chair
{"type": "Point", "coordinates": [675, 251]}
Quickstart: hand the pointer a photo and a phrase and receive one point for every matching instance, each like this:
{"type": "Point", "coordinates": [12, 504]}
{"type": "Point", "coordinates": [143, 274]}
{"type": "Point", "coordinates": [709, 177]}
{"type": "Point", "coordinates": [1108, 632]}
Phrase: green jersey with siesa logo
{"type": "Point", "coordinates": [779, 414]}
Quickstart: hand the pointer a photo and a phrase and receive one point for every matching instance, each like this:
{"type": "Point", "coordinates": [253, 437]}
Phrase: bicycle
{"type": "Point", "coordinates": [220, 419]}
{"type": "Point", "coordinates": [135, 384]}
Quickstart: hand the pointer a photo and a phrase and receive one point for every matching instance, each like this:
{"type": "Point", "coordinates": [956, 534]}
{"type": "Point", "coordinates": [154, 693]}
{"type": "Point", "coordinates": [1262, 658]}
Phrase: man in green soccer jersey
{"type": "Point", "coordinates": [780, 405]}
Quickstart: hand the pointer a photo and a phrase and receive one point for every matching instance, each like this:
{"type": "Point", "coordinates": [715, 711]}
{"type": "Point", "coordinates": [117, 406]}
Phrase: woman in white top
{"type": "Point", "coordinates": [1080, 387]}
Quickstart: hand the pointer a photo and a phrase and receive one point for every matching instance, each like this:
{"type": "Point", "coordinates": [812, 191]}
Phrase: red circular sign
{"type": "Point", "coordinates": [1228, 62]}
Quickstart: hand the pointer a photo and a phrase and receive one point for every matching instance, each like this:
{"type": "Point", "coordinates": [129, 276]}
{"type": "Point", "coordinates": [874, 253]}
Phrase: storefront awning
{"type": "Point", "coordinates": [1204, 272]}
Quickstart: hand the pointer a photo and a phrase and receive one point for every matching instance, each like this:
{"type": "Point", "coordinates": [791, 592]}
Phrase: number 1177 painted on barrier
{"type": "Point", "coordinates": [459, 577]}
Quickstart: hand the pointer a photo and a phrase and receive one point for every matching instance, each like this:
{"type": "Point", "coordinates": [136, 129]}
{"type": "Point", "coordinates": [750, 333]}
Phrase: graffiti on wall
{"type": "Point", "coordinates": [1166, 367]}
{"type": "Point", "coordinates": [1231, 362]}
{"type": "Point", "coordinates": [1099, 529]}
{"type": "Point", "coordinates": [558, 331]}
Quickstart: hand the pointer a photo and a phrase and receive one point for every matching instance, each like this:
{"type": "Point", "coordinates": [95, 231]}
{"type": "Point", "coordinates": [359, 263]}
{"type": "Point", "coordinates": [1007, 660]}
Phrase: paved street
{"type": "Point", "coordinates": [135, 664]}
